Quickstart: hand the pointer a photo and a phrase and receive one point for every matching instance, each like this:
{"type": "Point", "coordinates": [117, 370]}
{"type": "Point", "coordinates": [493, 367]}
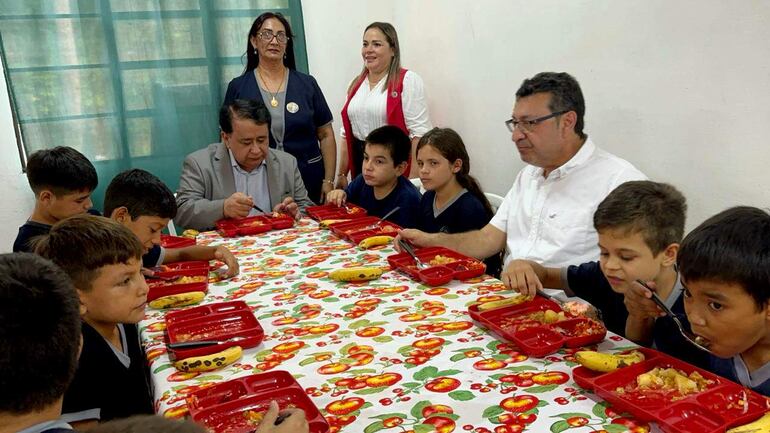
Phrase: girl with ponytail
{"type": "Point", "coordinates": [453, 201]}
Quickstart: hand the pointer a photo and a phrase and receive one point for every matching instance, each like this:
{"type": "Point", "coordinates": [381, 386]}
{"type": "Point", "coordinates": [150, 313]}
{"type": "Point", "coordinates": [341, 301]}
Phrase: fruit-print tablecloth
{"type": "Point", "coordinates": [386, 355]}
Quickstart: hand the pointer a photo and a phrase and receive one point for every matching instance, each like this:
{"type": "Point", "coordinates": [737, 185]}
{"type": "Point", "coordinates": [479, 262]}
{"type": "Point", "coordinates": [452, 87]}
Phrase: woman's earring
{"type": "Point", "coordinates": [255, 51]}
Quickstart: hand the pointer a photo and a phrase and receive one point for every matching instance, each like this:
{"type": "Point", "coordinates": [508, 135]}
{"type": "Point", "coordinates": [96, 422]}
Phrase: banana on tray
{"type": "Point", "coordinates": [363, 273]}
{"type": "Point", "coordinates": [210, 362]}
{"type": "Point", "coordinates": [606, 362]}
{"type": "Point", "coordinates": [179, 300]}
{"type": "Point", "coordinates": [374, 241]}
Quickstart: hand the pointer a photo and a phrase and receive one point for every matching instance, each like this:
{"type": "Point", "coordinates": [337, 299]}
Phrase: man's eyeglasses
{"type": "Point", "coordinates": [528, 125]}
{"type": "Point", "coordinates": [268, 35]}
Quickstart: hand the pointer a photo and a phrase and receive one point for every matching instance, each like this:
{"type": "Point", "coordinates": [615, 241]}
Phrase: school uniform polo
{"type": "Point", "coordinates": [550, 219]}
{"type": "Point", "coordinates": [735, 369]}
{"type": "Point", "coordinates": [109, 383]}
{"type": "Point", "coordinates": [405, 195]}
{"type": "Point", "coordinates": [154, 257]}
{"type": "Point", "coordinates": [55, 426]}
{"type": "Point", "coordinates": [462, 213]}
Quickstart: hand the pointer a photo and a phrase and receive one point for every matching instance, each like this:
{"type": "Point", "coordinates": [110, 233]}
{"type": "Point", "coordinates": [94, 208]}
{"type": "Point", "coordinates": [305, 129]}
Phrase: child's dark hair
{"type": "Point", "coordinates": [656, 210]}
{"type": "Point", "coordinates": [62, 170]}
{"type": "Point", "coordinates": [732, 246]}
{"type": "Point", "coordinates": [394, 139]}
{"type": "Point", "coordinates": [148, 424]}
{"type": "Point", "coordinates": [39, 333]}
{"type": "Point", "coordinates": [142, 193]}
{"type": "Point", "coordinates": [83, 244]}
{"type": "Point", "coordinates": [448, 143]}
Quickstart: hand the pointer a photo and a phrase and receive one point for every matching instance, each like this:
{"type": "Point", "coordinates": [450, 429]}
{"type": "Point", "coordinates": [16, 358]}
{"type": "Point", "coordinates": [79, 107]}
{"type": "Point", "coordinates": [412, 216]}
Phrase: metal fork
{"type": "Point", "coordinates": [689, 336]}
{"type": "Point", "coordinates": [408, 248]}
{"type": "Point", "coordinates": [378, 223]}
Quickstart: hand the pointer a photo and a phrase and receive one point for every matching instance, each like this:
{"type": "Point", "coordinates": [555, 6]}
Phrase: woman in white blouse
{"type": "Point", "coordinates": [383, 93]}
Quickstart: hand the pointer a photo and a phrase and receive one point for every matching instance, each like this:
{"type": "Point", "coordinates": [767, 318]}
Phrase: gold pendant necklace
{"type": "Point", "coordinates": [273, 101]}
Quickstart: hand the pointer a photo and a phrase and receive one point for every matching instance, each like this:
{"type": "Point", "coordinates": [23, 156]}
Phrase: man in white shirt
{"type": "Point", "coordinates": [547, 214]}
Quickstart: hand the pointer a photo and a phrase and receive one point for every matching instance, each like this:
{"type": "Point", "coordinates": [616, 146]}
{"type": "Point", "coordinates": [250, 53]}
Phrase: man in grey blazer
{"type": "Point", "coordinates": [231, 178]}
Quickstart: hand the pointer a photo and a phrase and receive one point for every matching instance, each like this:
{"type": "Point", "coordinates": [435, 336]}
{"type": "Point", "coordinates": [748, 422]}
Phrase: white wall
{"type": "Point", "coordinates": [16, 197]}
{"type": "Point", "coordinates": [679, 88]}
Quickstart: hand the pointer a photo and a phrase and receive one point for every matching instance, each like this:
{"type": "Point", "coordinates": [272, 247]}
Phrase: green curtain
{"type": "Point", "coordinates": [129, 83]}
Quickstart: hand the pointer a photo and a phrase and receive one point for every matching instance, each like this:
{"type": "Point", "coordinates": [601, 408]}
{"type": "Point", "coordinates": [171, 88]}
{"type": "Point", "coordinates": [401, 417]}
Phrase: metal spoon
{"type": "Point", "coordinates": [696, 340]}
{"type": "Point", "coordinates": [408, 248]}
{"type": "Point", "coordinates": [378, 223]}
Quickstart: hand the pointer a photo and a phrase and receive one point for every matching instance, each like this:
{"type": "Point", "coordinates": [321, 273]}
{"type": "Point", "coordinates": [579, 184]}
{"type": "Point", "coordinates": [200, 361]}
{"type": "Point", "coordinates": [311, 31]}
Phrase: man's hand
{"type": "Point", "coordinates": [520, 275]}
{"type": "Point", "coordinates": [337, 197]}
{"type": "Point", "coordinates": [288, 207]}
{"type": "Point", "coordinates": [415, 237]}
{"type": "Point", "coordinates": [294, 421]}
{"type": "Point", "coordinates": [238, 205]}
{"type": "Point", "coordinates": [224, 255]}
{"type": "Point", "coordinates": [638, 302]}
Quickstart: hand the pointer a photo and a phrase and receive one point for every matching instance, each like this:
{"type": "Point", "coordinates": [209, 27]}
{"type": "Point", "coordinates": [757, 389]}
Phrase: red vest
{"type": "Point", "coordinates": [395, 117]}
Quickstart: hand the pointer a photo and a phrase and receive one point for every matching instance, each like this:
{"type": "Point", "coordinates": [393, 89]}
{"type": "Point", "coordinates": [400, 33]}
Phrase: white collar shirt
{"type": "Point", "coordinates": [550, 219]}
{"type": "Point", "coordinates": [367, 110]}
{"type": "Point", "coordinates": [252, 183]}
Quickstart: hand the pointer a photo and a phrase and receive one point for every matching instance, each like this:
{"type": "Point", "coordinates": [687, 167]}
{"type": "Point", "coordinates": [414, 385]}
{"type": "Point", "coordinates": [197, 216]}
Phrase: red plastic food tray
{"type": "Point", "coordinates": [178, 268]}
{"type": "Point", "coordinates": [723, 405]}
{"type": "Point", "coordinates": [218, 323]}
{"type": "Point", "coordinates": [224, 408]}
{"type": "Point", "coordinates": [330, 211]}
{"type": "Point", "coordinates": [459, 267]}
{"type": "Point", "coordinates": [535, 338]}
{"type": "Point", "coordinates": [253, 225]}
{"type": "Point", "coordinates": [168, 241]}
{"type": "Point", "coordinates": [361, 228]}
{"type": "Point", "coordinates": [161, 288]}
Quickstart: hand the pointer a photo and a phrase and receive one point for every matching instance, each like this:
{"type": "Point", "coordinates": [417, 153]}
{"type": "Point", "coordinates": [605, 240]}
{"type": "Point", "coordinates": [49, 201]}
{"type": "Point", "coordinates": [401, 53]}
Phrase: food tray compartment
{"type": "Point", "coordinates": [385, 229]}
{"type": "Point", "coordinates": [204, 311]}
{"type": "Point", "coordinates": [647, 405]}
{"type": "Point", "coordinates": [532, 335]}
{"type": "Point", "coordinates": [585, 377]}
{"type": "Point", "coordinates": [343, 230]}
{"type": "Point", "coordinates": [160, 288]}
{"type": "Point", "coordinates": [331, 211]}
{"type": "Point", "coordinates": [461, 266]}
{"type": "Point", "coordinates": [234, 389]}
{"type": "Point", "coordinates": [215, 327]}
{"type": "Point", "coordinates": [280, 221]}
{"type": "Point", "coordinates": [248, 226]}
{"type": "Point", "coordinates": [231, 416]}
{"type": "Point", "coordinates": [170, 268]}
{"type": "Point", "coordinates": [168, 241]}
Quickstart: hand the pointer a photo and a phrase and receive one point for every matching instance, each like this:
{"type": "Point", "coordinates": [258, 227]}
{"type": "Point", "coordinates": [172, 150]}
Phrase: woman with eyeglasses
{"type": "Point", "coordinates": [383, 93]}
{"type": "Point", "coordinates": [301, 122]}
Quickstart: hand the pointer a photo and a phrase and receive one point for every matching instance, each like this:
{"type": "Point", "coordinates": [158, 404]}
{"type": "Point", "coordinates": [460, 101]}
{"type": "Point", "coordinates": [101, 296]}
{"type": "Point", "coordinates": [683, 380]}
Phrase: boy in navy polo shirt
{"type": "Point", "coordinates": [140, 201]}
{"type": "Point", "coordinates": [381, 186]}
{"type": "Point", "coordinates": [640, 225]}
{"type": "Point", "coordinates": [62, 180]}
{"type": "Point", "coordinates": [725, 268]}
{"type": "Point", "coordinates": [40, 340]}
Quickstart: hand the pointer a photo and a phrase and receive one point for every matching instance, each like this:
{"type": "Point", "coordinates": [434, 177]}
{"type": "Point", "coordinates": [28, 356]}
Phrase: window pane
{"type": "Point", "coordinates": [228, 73]}
{"type": "Point", "coordinates": [141, 87]}
{"type": "Point", "coordinates": [251, 4]}
{"type": "Point", "coordinates": [139, 136]}
{"type": "Point", "coordinates": [170, 38]}
{"type": "Point", "coordinates": [232, 34]}
{"type": "Point", "coordinates": [153, 5]}
{"type": "Point", "coordinates": [53, 42]}
{"type": "Point", "coordinates": [96, 138]}
{"type": "Point", "coordinates": [63, 93]}
{"type": "Point", "coordinates": [39, 7]}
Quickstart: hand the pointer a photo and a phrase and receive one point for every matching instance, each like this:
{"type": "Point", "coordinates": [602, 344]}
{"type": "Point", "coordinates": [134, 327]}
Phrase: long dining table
{"type": "Point", "coordinates": [389, 354]}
